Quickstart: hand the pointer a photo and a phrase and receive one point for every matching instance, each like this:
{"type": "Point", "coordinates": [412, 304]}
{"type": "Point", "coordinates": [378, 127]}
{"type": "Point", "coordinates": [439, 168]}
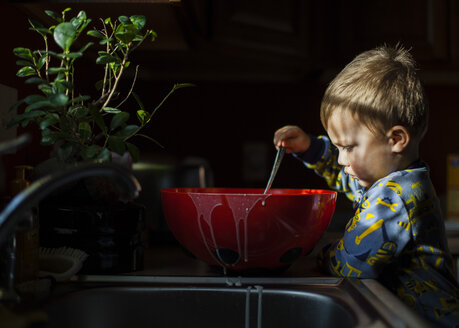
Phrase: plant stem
{"type": "Point", "coordinates": [132, 87]}
{"type": "Point", "coordinates": [67, 73]}
{"type": "Point", "coordinates": [73, 86]}
{"type": "Point", "coordinates": [152, 113]}
{"type": "Point", "coordinates": [162, 101]}
{"type": "Point", "coordinates": [47, 57]}
{"type": "Point", "coordinates": [115, 84]}
{"type": "Point", "coordinates": [106, 66]}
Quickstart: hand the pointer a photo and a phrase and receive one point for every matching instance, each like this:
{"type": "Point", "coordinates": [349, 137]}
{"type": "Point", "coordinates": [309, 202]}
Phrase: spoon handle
{"type": "Point", "coordinates": [277, 162]}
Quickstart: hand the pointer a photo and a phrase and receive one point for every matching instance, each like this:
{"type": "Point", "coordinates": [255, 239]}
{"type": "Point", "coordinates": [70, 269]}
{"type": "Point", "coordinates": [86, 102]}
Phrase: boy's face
{"type": "Point", "coordinates": [365, 156]}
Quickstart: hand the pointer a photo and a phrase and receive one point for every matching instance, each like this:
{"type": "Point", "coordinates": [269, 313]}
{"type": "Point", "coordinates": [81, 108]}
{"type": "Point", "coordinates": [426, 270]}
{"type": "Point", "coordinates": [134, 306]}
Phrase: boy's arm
{"type": "Point", "coordinates": [322, 157]}
{"type": "Point", "coordinates": [373, 238]}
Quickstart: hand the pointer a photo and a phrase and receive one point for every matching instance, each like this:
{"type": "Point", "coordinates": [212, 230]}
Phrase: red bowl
{"type": "Point", "coordinates": [241, 229]}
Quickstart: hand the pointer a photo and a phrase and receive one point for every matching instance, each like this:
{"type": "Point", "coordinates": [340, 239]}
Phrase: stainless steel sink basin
{"type": "Point", "coordinates": [223, 302]}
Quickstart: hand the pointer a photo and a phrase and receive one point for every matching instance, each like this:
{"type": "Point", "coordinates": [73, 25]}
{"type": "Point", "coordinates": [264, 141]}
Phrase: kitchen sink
{"type": "Point", "coordinates": [226, 302]}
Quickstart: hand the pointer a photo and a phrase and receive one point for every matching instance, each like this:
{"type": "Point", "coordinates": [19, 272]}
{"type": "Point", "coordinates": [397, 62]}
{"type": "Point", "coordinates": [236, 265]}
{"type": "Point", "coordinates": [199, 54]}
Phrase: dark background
{"type": "Point", "coordinates": [257, 66]}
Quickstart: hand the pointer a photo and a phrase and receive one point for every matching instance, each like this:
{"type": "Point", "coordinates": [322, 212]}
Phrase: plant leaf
{"type": "Point", "coordinates": [84, 129]}
{"type": "Point", "coordinates": [49, 119]}
{"type": "Point", "coordinates": [134, 151]}
{"type": "Point", "coordinates": [59, 99]}
{"type": "Point", "coordinates": [139, 21]}
{"type": "Point", "coordinates": [41, 30]}
{"type": "Point", "coordinates": [111, 110]}
{"type": "Point", "coordinates": [53, 15]}
{"type": "Point", "coordinates": [94, 111]}
{"type": "Point", "coordinates": [79, 111]}
{"type": "Point", "coordinates": [138, 38]}
{"type": "Point", "coordinates": [66, 124]}
{"type": "Point", "coordinates": [38, 27]}
{"type": "Point", "coordinates": [25, 117]}
{"type": "Point", "coordinates": [90, 152]}
{"type": "Point", "coordinates": [23, 63]}
{"type": "Point", "coordinates": [37, 104]}
{"type": "Point", "coordinates": [183, 85]}
{"type": "Point", "coordinates": [33, 98]}
{"type": "Point", "coordinates": [16, 105]}
{"type": "Point", "coordinates": [49, 137]}
{"type": "Point", "coordinates": [53, 54]}
{"type": "Point", "coordinates": [99, 84]}
{"type": "Point", "coordinates": [124, 20]}
{"type": "Point", "coordinates": [35, 80]}
{"type": "Point", "coordinates": [81, 21]}
{"type": "Point", "coordinates": [105, 41]}
{"type": "Point", "coordinates": [23, 53]}
{"type": "Point", "coordinates": [105, 59]}
{"type": "Point", "coordinates": [96, 34]}
{"type": "Point", "coordinates": [86, 46]}
{"type": "Point", "coordinates": [115, 67]}
{"type": "Point", "coordinates": [128, 131]}
{"type": "Point", "coordinates": [46, 89]}
{"type": "Point", "coordinates": [26, 71]}
{"type": "Point", "coordinates": [153, 35]}
{"type": "Point", "coordinates": [118, 120]}
{"type": "Point", "coordinates": [126, 32]}
{"type": "Point", "coordinates": [117, 144]}
{"type": "Point", "coordinates": [143, 116]}
{"type": "Point", "coordinates": [105, 155]}
{"type": "Point", "coordinates": [139, 102]}
{"type": "Point", "coordinates": [55, 70]}
{"type": "Point", "coordinates": [41, 62]}
{"type": "Point", "coordinates": [34, 23]}
{"type": "Point", "coordinates": [63, 85]}
{"type": "Point", "coordinates": [64, 152]}
{"type": "Point", "coordinates": [73, 55]}
{"type": "Point", "coordinates": [80, 98]}
{"type": "Point", "coordinates": [64, 35]}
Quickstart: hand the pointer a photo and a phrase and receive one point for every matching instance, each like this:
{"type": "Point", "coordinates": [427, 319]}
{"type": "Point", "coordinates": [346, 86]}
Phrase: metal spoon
{"type": "Point", "coordinates": [277, 162]}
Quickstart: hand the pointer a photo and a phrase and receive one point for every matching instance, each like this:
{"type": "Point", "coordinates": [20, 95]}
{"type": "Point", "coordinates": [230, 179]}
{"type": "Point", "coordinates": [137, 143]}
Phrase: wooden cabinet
{"type": "Point", "coordinates": [285, 41]}
{"type": "Point", "coordinates": [325, 35]}
{"type": "Point", "coordinates": [421, 25]}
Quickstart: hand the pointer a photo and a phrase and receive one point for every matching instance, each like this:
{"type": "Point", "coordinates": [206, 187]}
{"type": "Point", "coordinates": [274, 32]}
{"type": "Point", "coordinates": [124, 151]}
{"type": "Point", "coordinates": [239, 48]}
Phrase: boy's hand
{"type": "Point", "coordinates": [292, 138]}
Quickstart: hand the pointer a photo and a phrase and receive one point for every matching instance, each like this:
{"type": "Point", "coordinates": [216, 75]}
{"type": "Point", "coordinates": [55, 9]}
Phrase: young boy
{"type": "Point", "coordinates": [375, 114]}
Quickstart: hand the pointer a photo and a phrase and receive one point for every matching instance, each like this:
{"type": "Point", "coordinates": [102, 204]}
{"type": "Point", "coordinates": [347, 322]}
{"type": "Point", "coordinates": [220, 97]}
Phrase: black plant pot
{"type": "Point", "coordinates": [108, 230]}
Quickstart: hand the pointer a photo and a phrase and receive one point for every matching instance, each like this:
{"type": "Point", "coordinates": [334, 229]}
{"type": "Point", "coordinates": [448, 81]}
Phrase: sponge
{"type": "Point", "coordinates": [61, 263]}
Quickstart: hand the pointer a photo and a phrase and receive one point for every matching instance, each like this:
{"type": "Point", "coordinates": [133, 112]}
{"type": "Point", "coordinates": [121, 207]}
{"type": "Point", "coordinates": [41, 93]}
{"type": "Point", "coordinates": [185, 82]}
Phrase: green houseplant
{"type": "Point", "coordinates": [80, 126]}
{"type": "Point", "coordinates": [88, 126]}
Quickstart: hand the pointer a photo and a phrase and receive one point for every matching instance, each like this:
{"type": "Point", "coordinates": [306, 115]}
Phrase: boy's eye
{"type": "Point", "coordinates": [347, 148]}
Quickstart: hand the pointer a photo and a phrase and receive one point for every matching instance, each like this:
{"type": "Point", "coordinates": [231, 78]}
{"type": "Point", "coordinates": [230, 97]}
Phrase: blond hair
{"type": "Point", "coordinates": [379, 87]}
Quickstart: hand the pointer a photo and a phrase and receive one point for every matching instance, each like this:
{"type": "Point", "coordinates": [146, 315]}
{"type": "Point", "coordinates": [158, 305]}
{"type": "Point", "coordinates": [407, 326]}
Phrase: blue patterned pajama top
{"type": "Point", "coordinates": [396, 236]}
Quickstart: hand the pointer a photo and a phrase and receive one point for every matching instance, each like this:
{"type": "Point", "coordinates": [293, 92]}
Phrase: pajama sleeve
{"type": "Point", "coordinates": [322, 157]}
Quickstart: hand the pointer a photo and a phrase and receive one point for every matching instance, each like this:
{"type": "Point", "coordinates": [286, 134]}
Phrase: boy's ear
{"type": "Point", "coordinates": [399, 138]}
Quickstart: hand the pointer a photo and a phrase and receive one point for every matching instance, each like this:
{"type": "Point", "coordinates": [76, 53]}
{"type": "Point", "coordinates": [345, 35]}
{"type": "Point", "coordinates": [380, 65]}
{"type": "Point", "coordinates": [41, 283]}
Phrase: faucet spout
{"type": "Point", "coordinates": [19, 208]}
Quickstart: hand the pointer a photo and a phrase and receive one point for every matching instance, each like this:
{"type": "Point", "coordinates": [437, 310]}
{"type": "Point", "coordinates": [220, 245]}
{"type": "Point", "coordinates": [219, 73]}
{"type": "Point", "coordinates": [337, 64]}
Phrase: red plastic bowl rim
{"type": "Point", "coordinates": [248, 191]}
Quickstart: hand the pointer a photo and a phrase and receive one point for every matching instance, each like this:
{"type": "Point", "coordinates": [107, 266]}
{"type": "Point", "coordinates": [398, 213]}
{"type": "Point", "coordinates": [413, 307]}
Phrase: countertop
{"type": "Point", "coordinates": [172, 260]}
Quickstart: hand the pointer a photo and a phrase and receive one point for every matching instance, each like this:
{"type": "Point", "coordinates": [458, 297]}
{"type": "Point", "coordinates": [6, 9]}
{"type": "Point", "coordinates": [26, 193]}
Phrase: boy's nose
{"type": "Point", "coordinates": [342, 159]}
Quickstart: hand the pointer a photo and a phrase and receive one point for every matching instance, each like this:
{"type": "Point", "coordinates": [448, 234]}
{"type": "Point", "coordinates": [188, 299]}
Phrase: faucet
{"type": "Point", "coordinates": [19, 210]}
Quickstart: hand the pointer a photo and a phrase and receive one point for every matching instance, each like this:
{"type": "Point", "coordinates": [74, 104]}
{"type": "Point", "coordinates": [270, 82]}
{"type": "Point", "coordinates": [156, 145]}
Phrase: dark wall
{"type": "Point", "coordinates": [215, 119]}
{"type": "Point", "coordinates": [14, 34]}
